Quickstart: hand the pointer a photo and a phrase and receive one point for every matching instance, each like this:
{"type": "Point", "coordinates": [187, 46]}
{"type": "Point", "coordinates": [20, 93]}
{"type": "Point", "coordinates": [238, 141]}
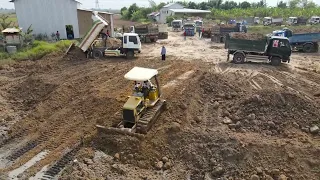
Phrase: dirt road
{"type": "Point", "coordinates": [223, 120]}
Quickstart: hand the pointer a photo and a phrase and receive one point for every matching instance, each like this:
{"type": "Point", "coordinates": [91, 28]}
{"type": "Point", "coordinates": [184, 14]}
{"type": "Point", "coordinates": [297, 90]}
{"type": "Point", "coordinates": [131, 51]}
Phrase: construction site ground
{"type": "Point", "coordinates": [223, 120]}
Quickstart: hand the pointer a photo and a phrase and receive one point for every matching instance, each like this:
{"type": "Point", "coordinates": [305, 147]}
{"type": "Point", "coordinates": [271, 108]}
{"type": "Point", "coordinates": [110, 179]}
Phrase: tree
{"type": "Point", "coordinates": [4, 23]}
{"type": "Point", "coordinates": [133, 8]}
{"type": "Point", "coordinates": [245, 5]}
{"type": "Point", "coordinates": [282, 4]}
{"type": "Point", "coordinates": [137, 15]}
{"type": "Point", "coordinates": [203, 6]}
{"type": "Point", "coordinates": [294, 3]}
{"type": "Point", "coordinates": [192, 5]}
{"type": "Point", "coordinates": [161, 5]}
{"type": "Point", "coordinates": [122, 10]}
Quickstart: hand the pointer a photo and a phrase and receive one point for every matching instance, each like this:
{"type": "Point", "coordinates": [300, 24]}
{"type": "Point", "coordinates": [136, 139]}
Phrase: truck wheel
{"type": "Point", "coordinates": [275, 61]}
{"type": "Point", "coordinates": [238, 58]}
{"type": "Point", "coordinates": [130, 54]}
{"type": "Point", "coordinates": [222, 39]}
{"type": "Point", "coordinates": [96, 54]}
{"type": "Point", "coordinates": [308, 48]}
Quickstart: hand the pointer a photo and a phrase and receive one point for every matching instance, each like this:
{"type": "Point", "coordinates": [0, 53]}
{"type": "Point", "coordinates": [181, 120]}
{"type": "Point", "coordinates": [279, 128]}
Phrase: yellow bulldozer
{"type": "Point", "coordinates": [143, 107]}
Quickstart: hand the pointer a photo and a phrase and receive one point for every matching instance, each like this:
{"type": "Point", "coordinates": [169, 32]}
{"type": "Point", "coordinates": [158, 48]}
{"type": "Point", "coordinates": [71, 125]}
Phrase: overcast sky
{"type": "Point", "coordinates": [117, 4]}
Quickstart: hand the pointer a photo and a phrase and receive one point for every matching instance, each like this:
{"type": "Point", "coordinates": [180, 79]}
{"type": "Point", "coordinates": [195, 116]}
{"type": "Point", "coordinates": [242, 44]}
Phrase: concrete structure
{"type": "Point", "coordinates": [176, 9]}
{"type": "Point", "coordinates": [164, 11]}
{"type": "Point", "coordinates": [50, 16]}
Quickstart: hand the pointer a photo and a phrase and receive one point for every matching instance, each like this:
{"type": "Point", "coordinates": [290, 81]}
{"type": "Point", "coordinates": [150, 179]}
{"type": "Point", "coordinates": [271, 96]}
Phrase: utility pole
{"type": "Point", "coordinates": [97, 4]}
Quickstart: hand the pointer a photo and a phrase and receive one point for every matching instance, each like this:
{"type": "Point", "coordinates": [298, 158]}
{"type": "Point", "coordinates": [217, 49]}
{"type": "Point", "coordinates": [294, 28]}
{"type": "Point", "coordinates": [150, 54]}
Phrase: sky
{"type": "Point", "coordinates": [117, 4]}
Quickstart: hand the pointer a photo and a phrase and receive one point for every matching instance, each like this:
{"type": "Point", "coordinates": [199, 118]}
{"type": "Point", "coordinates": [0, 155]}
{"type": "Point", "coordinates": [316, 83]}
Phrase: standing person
{"type": "Point", "coordinates": [58, 36]}
{"type": "Point", "coordinates": [163, 53]}
{"type": "Point", "coordinates": [185, 35]}
{"type": "Point", "coordinates": [202, 32]}
{"type": "Point", "coordinates": [108, 35]}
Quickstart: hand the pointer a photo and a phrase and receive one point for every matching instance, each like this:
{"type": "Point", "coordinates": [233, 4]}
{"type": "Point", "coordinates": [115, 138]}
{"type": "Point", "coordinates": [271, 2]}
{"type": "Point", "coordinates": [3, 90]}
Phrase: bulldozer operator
{"type": "Point", "coordinates": [145, 88]}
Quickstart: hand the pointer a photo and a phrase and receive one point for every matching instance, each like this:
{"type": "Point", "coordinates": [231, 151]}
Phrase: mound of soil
{"type": "Point", "coordinates": [247, 36]}
{"type": "Point", "coordinates": [306, 30]}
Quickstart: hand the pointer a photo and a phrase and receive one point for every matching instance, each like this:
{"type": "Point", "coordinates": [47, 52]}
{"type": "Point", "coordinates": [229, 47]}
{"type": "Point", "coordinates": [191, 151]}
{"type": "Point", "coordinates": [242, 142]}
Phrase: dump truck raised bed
{"type": "Point", "coordinates": [274, 49]}
{"type": "Point", "coordinates": [190, 29]}
{"type": "Point", "coordinates": [127, 45]}
{"type": "Point", "coordinates": [306, 42]}
{"type": "Point", "coordinates": [147, 32]}
{"type": "Point", "coordinates": [219, 32]}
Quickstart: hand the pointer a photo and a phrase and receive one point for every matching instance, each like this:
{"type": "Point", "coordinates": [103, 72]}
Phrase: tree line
{"type": "Point", "coordinates": [229, 8]}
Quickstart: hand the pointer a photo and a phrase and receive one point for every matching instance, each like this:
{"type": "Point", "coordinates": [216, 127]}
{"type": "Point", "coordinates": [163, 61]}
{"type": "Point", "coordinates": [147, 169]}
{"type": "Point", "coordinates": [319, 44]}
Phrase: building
{"type": "Point", "coordinates": [176, 9]}
{"type": "Point", "coordinates": [154, 16]}
{"type": "Point", "coordinates": [49, 16]}
{"type": "Point", "coordinates": [164, 11]}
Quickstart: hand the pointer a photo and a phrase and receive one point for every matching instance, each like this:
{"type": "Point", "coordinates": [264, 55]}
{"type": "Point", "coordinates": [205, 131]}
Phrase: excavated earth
{"type": "Point", "coordinates": [222, 121]}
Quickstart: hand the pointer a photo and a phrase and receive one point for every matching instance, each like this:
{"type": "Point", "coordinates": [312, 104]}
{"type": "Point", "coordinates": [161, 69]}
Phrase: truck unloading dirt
{"type": "Point", "coordinates": [306, 42]}
{"type": "Point", "coordinates": [219, 32]}
{"type": "Point", "coordinates": [163, 31]}
{"type": "Point", "coordinates": [127, 45]}
{"type": "Point", "coordinates": [244, 48]}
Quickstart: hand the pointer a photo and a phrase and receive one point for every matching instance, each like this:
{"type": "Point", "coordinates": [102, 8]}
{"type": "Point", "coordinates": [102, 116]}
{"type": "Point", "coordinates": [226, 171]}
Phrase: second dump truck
{"type": "Point", "coordinates": [273, 49]}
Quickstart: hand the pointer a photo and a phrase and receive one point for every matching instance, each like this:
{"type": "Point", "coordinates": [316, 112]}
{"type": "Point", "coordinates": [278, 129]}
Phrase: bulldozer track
{"type": "Point", "coordinates": [60, 164]}
{"type": "Point", "coordinates": [149, 118]}
{"type": "Point", "coordinates": [23, 150]}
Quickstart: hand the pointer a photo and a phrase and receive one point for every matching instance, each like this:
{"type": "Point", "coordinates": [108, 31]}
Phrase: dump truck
{"type": "Point", "coordinates": [219, 32]}
{"type": "Point", "coordinates": [297, 21]}
{"type": "Point", "coordinates": [273, 49]}
{"type": "Point", "coordinates": [126, 45]}
{"type": "Point", "coordinates": [267, 21]}
{"type": "Point", "coordinates": [306, 42]}
{"type": "Point", "coordinates": [314, 20]}
{"type": "Point", "coordinates": [163, 31]}
{"type": "Point", "coordinates": [199, 25]}
{"type": "Point", "coordinates": [251, 21]}
{"type": "Point", "coordinates": [177, 25]}
{"type": "Point", "coordinates": [147, 32]}
{"type": "Point", "coordinates": [190, 29]}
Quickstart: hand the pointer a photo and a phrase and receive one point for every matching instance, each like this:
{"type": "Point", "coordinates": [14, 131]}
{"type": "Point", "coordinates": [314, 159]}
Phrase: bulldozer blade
{"type": "Point", "coordinates": [150, 117]}
{"type": "Point", "coordinates": [112, 130]}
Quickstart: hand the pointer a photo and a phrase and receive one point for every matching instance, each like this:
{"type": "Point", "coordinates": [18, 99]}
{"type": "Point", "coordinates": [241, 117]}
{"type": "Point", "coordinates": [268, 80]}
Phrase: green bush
{"type": "Point", "coordinates": [38, 50]}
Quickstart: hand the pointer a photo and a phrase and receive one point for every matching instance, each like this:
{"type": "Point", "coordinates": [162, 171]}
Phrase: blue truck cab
{"type": "Point", "coordinates": [306, 42]}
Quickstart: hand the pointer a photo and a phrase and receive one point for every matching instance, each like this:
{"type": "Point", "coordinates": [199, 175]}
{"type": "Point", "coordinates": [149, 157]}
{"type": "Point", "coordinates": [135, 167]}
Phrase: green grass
{"type": "Point", "coordinates": [37, 51]}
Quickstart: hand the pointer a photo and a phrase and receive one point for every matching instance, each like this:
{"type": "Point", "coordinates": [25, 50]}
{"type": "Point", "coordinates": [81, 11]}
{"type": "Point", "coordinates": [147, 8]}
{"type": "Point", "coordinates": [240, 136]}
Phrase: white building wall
{"type": "Point", "coordinates": [164, 12]}
{"type": "Point", "coordinates": [48, 16]}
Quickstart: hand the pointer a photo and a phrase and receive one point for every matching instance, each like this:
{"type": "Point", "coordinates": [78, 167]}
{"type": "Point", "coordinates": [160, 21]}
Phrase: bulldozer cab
{"type": "Point", "coordinates": [145, 76]}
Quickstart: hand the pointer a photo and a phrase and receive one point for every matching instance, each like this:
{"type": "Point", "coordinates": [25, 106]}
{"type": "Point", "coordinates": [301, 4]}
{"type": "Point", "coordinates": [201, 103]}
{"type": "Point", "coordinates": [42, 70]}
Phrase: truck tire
{"type": "Point", "coordinates": [307, 48]}
{"type": "Point", "coordinates": [275, 61]}
{"type": "Point", "coordinates": [96, 54]}
{"type": "Point", "coordinates": [238, 58]}
{"type": "Point", "coordinates": [130, 55]}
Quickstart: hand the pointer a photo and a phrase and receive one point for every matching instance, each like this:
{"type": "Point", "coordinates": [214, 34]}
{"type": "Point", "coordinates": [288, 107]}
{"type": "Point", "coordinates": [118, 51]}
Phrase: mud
{"type": "Point", "coordinates": [222, 120]}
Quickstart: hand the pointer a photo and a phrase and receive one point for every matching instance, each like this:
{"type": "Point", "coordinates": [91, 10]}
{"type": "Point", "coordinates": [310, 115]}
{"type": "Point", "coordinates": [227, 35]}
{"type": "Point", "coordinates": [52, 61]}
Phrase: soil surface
{"type": "Point", "coordinates": [223, 120]}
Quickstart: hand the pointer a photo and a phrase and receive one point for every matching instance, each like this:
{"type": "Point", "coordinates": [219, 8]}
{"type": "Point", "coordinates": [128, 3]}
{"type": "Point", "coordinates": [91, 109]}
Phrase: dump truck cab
{"type": "Point", "coordinates": [278, 47]}
{"type": "Point", "coordinates": [177, 25]}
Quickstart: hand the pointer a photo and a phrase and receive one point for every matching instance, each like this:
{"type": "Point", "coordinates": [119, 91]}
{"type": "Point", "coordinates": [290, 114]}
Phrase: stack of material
{"type": "Point", "coordinates": [113, 43]}
{"type": "Point", "coordinates": [227, 25]}
{"type": "Point", "coordinates": [247, 36]}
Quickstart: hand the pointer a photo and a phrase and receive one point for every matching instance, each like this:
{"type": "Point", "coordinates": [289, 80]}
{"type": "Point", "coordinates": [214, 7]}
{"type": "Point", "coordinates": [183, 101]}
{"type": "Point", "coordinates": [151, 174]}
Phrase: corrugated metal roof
{"type": "Point", "coordinates": [93, 11]}
{"type": "Point", "coordinates": [189, 11]}
{"type": "Point", "coordinates": [11, 30]}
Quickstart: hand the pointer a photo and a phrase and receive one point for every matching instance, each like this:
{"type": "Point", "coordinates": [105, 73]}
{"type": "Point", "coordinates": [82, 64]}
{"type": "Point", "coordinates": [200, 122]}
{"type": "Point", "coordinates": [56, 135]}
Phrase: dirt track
{"type": "Point", "coordinates": [223, 120]}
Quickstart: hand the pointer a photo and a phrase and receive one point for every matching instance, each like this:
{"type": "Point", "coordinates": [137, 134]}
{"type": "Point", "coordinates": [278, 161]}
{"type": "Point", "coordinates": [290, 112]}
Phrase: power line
{"type": "Point", "coordinates": [97, 4]}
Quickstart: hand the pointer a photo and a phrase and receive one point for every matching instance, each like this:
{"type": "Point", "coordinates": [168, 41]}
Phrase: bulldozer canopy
{"type": "Point", "coordinates": [141, 74]}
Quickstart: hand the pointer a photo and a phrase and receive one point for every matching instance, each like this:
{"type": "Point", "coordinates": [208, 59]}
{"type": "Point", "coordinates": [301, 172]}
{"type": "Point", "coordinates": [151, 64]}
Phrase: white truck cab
{"type": "Point", "coordinates": [314, 20]}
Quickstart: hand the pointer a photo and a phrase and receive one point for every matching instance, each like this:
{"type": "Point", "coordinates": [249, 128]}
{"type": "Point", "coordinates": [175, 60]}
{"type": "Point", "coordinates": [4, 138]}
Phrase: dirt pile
{"type": "Point", "coordinates": [114, 43]}
{"type": "Point", "coordinates": [247, 36]}
{"type": "Point", "coordinates": [273, 113]}
{"type": "Point", "coordinates": [312, 29]}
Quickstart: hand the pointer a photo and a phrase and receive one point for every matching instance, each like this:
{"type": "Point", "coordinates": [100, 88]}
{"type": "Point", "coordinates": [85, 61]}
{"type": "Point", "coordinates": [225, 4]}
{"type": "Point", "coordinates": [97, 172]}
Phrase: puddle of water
{"type": "Point", "coordinates": [174, 82]}
{"type": "Point", "coordinates": [14, 174]}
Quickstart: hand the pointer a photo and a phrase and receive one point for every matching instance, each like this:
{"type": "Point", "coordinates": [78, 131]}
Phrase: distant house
{"type": "Point", "coordinates": [164, 11]}
{"type": "Point", "coordinates": [50, 16]}
{"type": "Point", "coordinates": [176, 9]}
{"type": "Point", "coordinates": [155, 16]}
